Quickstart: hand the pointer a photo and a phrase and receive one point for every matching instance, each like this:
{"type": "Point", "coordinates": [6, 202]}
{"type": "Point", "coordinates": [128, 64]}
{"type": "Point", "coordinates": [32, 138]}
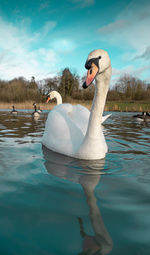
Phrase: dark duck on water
{"type": "Point", "coordinates": [145, 116]}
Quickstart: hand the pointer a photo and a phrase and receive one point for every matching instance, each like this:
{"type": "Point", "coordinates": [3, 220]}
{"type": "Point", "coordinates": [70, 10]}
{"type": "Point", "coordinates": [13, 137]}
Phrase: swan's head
{"type": "Point", "coordinates": [53, 94]}
{"type": "Point", "coordinates": [98, 62]}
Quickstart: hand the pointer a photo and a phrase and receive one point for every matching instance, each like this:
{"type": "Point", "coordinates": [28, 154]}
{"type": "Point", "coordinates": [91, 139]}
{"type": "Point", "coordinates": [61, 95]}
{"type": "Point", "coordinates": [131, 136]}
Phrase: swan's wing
{"type": "Point", "coordinates": [80, 116]}
{"type": "Point", "coordinates": [105, 117]}
{"type": "Point", "coordinates": [61, 134]}
{"type": "Point", "coordinates": [64, 108]}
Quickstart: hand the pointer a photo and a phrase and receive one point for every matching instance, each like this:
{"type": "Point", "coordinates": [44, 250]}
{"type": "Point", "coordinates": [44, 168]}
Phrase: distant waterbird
{"type": "Point", "coordinates": [144, 116]}
{"type": "Point", "coordinates": [14, 111]}
{"type": "Point", "coordinates": [35, 113]}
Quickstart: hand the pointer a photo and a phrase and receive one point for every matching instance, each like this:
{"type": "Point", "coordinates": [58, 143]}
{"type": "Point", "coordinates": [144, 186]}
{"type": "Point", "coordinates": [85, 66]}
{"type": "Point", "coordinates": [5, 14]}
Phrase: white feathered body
{"type": "Point", "coordinates": [65, 126]}
{"type": "Point", "coordinates": [65, 131]}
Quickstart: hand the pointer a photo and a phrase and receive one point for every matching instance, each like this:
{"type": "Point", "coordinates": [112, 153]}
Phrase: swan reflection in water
{"type": "Point", "coordinates": [88, 174]}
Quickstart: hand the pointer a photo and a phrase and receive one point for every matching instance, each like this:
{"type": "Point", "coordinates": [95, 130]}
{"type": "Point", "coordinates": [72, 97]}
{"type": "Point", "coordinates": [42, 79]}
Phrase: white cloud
{"type": "Point", "coordinates": [131, 27]}
{"type": "Point", "coordinates": [145, 55]}
{"type": "Point", "coordinates": [130, 32]}
{"type": "Point", "coordinates": [64, 45]}
{"type": "Point", "coordinates": [129, 70]}
{"type": "Point", "coordinates": [17, 57]}
{"type": "Point", "coordinates": [116, 71]}
{"type": "Point", "coordinates": [114, 27]}
{"type": "Point", "coordinates": [49, 25]}
{"type": "Point", "coordinates": [44, 5]}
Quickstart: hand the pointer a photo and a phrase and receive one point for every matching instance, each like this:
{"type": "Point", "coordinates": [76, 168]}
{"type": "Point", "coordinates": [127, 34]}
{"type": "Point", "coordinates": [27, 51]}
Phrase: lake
{"type": "Point", "coordinates": [55, 205]}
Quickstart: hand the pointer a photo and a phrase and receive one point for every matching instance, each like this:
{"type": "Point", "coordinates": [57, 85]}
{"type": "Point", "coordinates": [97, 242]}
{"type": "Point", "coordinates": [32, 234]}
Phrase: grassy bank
{"type": "Point", "coordinates": [110, 106]}
{"type": "Point", "coordinates": [122, 106]}
{"type": "Point", "coordinates": [128, 106]}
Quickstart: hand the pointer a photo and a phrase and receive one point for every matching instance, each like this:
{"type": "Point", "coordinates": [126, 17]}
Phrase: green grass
{"type": "Point", "coordinates": [120, 106]}
{"type": "Point", "coordinates": [136, 106]}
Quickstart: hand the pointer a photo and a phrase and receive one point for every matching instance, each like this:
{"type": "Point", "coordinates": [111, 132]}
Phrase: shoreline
{"type": "Point", "coordinates": [26, 106]}
{"type": "Point", "coordinates": [109, 107]}
{"type": "Point", "coordinates": [43, 106]}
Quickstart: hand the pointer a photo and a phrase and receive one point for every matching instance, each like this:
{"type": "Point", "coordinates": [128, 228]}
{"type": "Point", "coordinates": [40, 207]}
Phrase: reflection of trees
{"type": "Point", "coordinates": [86, 173]}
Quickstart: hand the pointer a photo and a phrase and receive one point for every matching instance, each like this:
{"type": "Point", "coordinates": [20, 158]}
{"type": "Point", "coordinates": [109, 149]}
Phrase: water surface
{"type": "Point", "coordinates": [52, 204]}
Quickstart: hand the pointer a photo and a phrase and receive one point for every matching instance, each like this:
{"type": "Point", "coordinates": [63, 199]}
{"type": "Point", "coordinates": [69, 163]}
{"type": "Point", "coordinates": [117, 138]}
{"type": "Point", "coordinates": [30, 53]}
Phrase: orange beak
{"type": "Point", "coordinates": [91, 74]}
{"type": "Point", "coordinates": [48, 99]}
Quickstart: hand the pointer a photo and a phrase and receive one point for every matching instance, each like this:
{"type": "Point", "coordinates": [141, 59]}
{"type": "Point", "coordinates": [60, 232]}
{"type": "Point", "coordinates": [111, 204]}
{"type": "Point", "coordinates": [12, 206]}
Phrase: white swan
{"type": "Point", "coordinates": [64, 134]}
{"type": "Point", "coordinates": [55, 94]}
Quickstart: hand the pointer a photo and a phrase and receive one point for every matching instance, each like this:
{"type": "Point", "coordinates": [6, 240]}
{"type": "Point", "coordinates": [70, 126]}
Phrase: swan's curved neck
{"type": "Point", "coordinates": [94, 127]}
{"type": "Point", "coordinates": [58, 98]}
{"type": "Point", "coordinates": [93, 145]}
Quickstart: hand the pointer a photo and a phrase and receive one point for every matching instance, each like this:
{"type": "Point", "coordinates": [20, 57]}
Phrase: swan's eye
{"type": "Point", "coordinates": [92, 60]}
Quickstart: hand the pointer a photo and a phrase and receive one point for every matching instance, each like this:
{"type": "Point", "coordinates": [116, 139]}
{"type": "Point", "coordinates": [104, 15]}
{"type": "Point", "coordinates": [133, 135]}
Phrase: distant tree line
{"type": "Point", "coordinates": [127, 88]}
{"type": "Point", "coordinates": [19, 90]}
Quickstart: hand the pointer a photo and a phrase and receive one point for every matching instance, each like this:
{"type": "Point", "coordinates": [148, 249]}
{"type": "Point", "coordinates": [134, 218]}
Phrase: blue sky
{"type": "Point", "coordinates": [41, 38]}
